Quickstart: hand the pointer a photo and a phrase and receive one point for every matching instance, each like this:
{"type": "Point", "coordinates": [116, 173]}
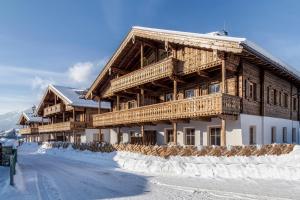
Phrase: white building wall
{"type": "Point", "coordinates": [237, 130]}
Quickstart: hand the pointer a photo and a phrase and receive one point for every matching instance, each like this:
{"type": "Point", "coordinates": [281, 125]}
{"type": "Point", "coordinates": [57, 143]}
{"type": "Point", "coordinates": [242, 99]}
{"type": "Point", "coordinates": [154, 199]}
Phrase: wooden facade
{"type": "Point", "coordinates": [165, 77]}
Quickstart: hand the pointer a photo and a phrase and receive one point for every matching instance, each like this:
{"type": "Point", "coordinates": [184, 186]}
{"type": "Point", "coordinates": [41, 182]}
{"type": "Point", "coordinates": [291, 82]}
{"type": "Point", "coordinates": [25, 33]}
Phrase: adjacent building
{"type": "Point", "coordinates": [68, 116]}
{"type": "Point", "coordinates": [192, 89]}
{"type": "Point", "coordinates": [30, 123]}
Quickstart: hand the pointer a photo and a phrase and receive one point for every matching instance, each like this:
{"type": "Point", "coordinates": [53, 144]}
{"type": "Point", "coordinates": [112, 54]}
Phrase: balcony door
{"type": "Point", "coordinates": [215, 136]}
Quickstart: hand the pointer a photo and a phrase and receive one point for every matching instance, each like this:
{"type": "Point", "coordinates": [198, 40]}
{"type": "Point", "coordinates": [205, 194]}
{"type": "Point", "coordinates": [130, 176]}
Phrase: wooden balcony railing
{"type": "Point", "coordinates": [152, 72]}
{"type": "Point", "coordinates": [208, 105]}
{"type": "Point", "coordinates": [28, 131]}
{"type": "Point", "coordinates": [53, 109]}
{"type": "Point", "coordinates": [62, 126]}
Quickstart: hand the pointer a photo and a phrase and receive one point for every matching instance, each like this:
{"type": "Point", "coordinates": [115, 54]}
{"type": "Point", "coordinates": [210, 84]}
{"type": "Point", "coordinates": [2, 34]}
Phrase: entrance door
{"type": "Point", "coordinates": [150, 137]}
{"type": "Point", "coordinates": [215, 136]}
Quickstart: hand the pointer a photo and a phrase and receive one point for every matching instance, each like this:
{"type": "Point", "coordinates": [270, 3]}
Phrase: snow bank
{"type": "Point", "coordinates": [285, 167]}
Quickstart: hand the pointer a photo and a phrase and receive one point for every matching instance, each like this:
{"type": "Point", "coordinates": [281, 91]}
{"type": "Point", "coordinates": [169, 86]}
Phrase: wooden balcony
{"type": "Point", "coordinates": [202, 106]}
{"type": "Point", "coordinates": [153, 72]}
{"type": "Point", "coordinates": [25, 131]}
{"type": "Point", "coordinates": [57, 108]}
{"type": "Point", "coordinates": [63, 126]}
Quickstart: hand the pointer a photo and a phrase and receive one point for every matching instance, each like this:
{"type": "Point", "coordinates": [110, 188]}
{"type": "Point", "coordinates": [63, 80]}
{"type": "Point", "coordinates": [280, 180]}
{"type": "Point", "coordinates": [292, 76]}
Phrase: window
{"type": "Point", "coordinates": [268, 95]}
{"type": "Point", "coordinates": [131, 104]}
{"type": "Point", "coordinates": [252, 135]}
{"type": "Point", "coordinates": [169, 135]}
{"type": "Point", "coordinates": [215, 136]}
{"type": "Point", "coordinates": [214, 88]}
{"type": "Point", "coordinates": [285, 100]}
{"type": "Point", "coordinates": [294, 138]}
{"type": "Point", "coordinates": [275, 97]}
{"type": "Point", "coordinates": [189, 93]}
{"type": "Point", "coordinates": [169, 97]}
{"type": "Point", "coordinates": [96, 137]}
{"type": "Point", "coordinates": [273, 135]}
{"type": "Point", "coordinates": [284, 135]}
{"type": "Point", "coordinates": [294, 104]}
{"type": "Point", "coordinates": [190, 136]}
{"type": "Point", "coordinates": [280, 99]}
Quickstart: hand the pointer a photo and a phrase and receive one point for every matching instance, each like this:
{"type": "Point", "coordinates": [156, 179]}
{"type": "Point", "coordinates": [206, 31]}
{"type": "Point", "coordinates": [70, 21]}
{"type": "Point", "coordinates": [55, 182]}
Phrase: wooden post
{"type": "Point", "coordinates": [119, 135]}
{"type": "Point", "coordinates": [143, 134]}
{"type": "Point", "coordinates": [174, 90]}
{"type": "Point", "coordinates": [142, 98]}
{"type": "Point", "coordinates": [175, 132]}
{"type": "Point", "coordinates": [223, 76]}
{"type": "Point", "coordinates": [73, 114]}
{"type": "Point", "coordinates": [63, 116]}
{"type": "Point", "coordinates": [138, 99]}
{"type": "Point", "coordinates": [118, 102]}
{"type": "Point", "coordinates": [99, 106]}
{"type": "Point", "coordinates": [223, 132]}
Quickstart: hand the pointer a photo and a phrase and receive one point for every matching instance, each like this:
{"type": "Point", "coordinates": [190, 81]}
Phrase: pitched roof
{"type": "Point", "coordinates": [31, 118]}
{"type": "Point", "coordinates": [208, 40]}
{"type": "Point", "coordinates": [73, 97]}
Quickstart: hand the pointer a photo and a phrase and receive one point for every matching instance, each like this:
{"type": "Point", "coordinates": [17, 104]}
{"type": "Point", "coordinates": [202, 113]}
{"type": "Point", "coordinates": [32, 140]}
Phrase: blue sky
{"type": "Point", "coordinates": [67, 42]}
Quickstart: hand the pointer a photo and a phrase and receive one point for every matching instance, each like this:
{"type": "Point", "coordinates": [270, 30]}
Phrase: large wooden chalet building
{"type": "Point", "coordinates": [195, 89]}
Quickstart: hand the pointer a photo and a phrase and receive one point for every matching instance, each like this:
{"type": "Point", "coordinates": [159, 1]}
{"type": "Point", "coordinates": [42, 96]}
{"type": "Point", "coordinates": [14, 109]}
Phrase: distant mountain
{"type": "Point", "coordinates": [9, 120]}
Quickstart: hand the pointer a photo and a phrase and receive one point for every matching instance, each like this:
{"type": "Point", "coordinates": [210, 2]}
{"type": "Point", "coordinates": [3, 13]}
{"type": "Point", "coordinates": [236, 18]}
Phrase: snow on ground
{"type": "Point", "coordinates": [44, 173]}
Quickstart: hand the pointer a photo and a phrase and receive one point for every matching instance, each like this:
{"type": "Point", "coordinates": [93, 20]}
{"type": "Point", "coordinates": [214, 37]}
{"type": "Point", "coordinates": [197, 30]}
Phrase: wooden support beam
{"type": "Point", "coordinates": [118, 103]}
{"type": "Point", "coordinates": [223, 132]}
{"type": "Point", "coordinates": [175, 132]}
{"type": "Point", "coordinates": [118, 70]}
{"type": "Point", "coordinates": [143, 133]}
{"type": "Point", "coordinates": [175, 90]}
{"type": "Point", "coordinates": [160, 85]}
{"type": "Point", "coordinates": [142, 103]}
{"type": "Point", "coordinates": [203, 74]}
{"type": "Point", "coordinates": [223, 76]}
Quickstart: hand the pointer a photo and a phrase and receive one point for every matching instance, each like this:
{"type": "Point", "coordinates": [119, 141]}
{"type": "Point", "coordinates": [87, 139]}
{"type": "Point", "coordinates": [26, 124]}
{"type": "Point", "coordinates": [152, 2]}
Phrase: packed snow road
{"type": "Point", "coordinates": [43, 176]}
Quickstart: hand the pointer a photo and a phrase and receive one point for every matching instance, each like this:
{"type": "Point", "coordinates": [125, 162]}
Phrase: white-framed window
{"type": "Point", "coordinates": [189, 93]}
{"type": "Point", "coordinates": [190, 136]}
{"type": "Point", "coordinates": [273, 134]}
{"type": "Point", "coordinates": [252, 135]}
{"type": "Point", "coordinates": [284, 135]}
{"type": "Point", "coordinates": [214, 88]}
{"type": "Point", "coordinates": [294, 136]}
{"type": "Point", "coordinates": [169, 97]}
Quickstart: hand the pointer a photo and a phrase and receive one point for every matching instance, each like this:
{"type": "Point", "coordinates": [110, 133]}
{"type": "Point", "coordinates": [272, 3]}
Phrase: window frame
{"type": "Point", "coordinates": [252, 135]}
{"type": "Point", "coordinates": [284, 135]}
{"type": "Point", "coordinates": [190, 137]}
{"type": "Point", "coordinates": [273, 135]}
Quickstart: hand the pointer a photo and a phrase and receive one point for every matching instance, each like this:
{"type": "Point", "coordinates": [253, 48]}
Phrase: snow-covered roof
{"type": "Point", "coordinates": [73, 97]}
{"type": "Point", "coordinates": [242, 41]}
{"type": "Point", "coordinates": [32, 118]}
{"type": "Point", "coordinates": [211, 40]}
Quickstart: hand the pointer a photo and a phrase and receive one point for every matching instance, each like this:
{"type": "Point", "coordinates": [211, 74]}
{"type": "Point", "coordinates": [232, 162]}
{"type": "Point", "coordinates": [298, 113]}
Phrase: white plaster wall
{"type": "Point", "coordinates": [88, 135]}
{"type": "Point", "coordinates": [113, 136]}
{"type": "Point", "coordinates": [263, 128]}
{"type": "Point", "coordinates": [106, 135]}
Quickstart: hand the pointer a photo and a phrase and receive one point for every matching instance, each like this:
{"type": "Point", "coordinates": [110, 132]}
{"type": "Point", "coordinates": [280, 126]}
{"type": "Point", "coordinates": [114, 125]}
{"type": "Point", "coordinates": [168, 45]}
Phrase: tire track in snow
{"type": "Point", "coordinates": [217, 193]}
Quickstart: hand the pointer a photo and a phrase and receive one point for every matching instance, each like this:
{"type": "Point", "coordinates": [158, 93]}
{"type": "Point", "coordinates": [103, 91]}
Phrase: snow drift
{"type": "Point", "coordinates": [284, 167]}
